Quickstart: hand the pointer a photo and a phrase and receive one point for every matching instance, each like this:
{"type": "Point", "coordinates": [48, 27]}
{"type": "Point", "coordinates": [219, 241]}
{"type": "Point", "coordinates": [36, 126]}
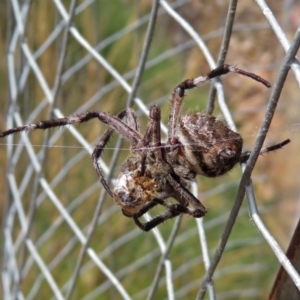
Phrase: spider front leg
{"type": "Point", "coordinates": [47, 124]}
{"type": "Point", "coordinates": [150, 150]}
{"type": "Point", "coordinates": [132, 122]}
{"type": "Point", "coordinates": [154, 131]}
{"type": "Point", "coordinates": [152, 136]}
{"type": "Point", "coordinates": [114, 122]}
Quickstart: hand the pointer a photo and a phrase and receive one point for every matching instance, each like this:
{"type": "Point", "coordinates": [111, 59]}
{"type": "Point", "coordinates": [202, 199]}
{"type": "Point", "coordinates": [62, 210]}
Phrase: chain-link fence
{"type": "Point", "coordinates": [64, 238]}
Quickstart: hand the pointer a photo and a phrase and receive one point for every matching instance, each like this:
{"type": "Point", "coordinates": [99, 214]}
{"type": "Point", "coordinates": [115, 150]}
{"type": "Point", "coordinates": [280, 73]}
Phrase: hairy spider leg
{"type": "Point", "coordinates": [225, 69]}
{"type": "Point", "coordinates": [173, 211]}
{"type": "Point", "coordinates": [132, 122]}
{"type": "Point", "coordinates": [97, 154]}
{"type": "Point", "coordinates": [246, 154]}
{"type": "Point", "coordinates": [152, 129]}
{"type": "Point", "coordinates": [113, 121]}
{"type": "Point", "coordinates": [184, 195]}
{"type": "Point", "coordinates": [169, 214]}
{"type": "Point", "coordinates": [98, 151]}
{"type": "Point", "coordinates": [156, 221]}
{"type": "Point", "coordinates": [178, 94]}
{"type": "Point", "coordinates": [153, 132]}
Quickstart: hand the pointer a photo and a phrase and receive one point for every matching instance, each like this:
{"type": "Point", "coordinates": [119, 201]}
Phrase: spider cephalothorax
{"type": "Point", "coordinates": [197, 144]}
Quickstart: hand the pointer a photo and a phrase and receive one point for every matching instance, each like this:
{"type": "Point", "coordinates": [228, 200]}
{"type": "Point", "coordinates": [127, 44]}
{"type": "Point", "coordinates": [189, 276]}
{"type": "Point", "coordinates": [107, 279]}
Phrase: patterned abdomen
{"type": "Point", "coordinates": [209, 146]}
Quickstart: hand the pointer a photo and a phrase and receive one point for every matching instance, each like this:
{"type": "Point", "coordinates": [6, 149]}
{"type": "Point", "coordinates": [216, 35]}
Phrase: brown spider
{"type": "Point", "coordinates": [197, 143]}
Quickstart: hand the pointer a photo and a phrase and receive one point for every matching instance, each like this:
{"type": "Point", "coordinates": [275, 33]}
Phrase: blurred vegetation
{"type": "Point", "coordinates": [248, 263]}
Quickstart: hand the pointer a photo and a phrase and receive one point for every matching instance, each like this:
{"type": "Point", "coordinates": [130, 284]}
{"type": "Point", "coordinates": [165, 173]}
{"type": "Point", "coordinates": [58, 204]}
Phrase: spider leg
{"type": "Point", "coordinates": [225, 69]}
{"type": "Point", "coordinates": [186, 196]}
{"type": "Point", "coordinates": [96, 155]}
{"type": "Point", "coordinates": [132, 122]}
{"type": "Point", "coordinates": [153, 135]}
{"type": "Point", "coordinates": [143, 210]}
{"type": "Point", "coordinates": [178, 94]}
{"type": "Point", "coordinates": [173, 211]}
{"type": "Point", "coordinates": [156, 221]}
{"type": "Point", "coordinates": [179, 207]}
{"type": "Point", "coordinates": [114, 122]}
{"type": "Point", "coordinates": [84, 117]}
{"type": "Point", "coordinates": [222, 70]}
{"type": "Point", "coordinates": [154, 124]}
{"type": "Point", "coordinates": [246, 154]}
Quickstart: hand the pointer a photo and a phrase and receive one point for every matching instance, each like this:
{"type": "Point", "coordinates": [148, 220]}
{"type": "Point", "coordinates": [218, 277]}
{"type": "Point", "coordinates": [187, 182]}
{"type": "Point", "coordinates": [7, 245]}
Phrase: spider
{"type": "Point", "coordinates": [197, 144]}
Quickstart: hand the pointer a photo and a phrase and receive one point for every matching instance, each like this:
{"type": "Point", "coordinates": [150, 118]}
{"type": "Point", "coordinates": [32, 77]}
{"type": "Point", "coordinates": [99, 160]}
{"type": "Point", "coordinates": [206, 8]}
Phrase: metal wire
{"type": "Point", "coordinates": [63, 237]}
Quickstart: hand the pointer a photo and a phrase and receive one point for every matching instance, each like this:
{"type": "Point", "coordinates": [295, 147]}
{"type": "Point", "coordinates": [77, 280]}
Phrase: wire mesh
{"type": "Point", "coordinates": [64, 238]}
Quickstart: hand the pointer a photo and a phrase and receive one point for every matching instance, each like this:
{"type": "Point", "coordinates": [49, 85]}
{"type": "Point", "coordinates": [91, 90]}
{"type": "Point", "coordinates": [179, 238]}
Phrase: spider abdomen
{"type": "Point", "coordinates": [209, 147]}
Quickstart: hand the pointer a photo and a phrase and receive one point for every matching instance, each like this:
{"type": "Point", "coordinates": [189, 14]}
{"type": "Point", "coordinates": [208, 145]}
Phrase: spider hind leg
{"type": "Point", "coordinates": [173, 210]}
{"type": "Point", "coordinates": [246, 154]}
